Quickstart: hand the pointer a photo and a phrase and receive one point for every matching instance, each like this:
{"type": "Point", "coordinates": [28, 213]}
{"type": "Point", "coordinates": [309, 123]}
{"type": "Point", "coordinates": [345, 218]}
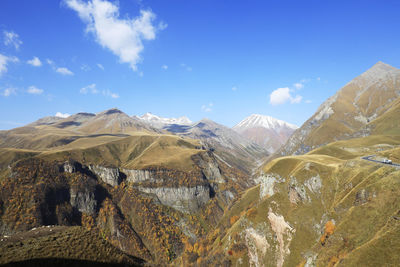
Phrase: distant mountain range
{"type": "Point", "coordinates": [245, 144]}
{"type": "Point", "coordinates": [252, 139]}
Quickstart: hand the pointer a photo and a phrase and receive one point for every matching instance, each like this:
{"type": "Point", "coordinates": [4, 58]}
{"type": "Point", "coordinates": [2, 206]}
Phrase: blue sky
{"type": "Point", "coordinates": [217, 59]}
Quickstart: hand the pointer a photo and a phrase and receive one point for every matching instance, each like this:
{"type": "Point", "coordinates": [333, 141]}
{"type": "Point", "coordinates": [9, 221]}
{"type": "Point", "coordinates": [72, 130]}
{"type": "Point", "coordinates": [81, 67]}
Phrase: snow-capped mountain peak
{"type": "Point", "coordinates": [266, 131]}
{"type": "Point", "coordinates": [158, 121]}
{"type": "Point", "coordinates": [257, 120]}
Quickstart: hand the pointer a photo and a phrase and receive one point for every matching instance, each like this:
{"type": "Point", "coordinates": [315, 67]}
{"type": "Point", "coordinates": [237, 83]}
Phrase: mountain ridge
{"type": "Point", "coordinates": [348, 111]}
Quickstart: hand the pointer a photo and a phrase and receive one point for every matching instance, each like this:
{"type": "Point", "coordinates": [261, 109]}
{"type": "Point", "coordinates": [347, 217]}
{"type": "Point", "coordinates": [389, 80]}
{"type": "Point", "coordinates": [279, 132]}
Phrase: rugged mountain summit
{"type": "Point", "coordinates": [230, 146]}
{"type": "Point", "coordinates": [266, 131]}
{"type": "Point", "coordinates": [349, 112]}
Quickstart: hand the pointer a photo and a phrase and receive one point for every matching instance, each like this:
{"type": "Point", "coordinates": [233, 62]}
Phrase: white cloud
{"type": "Point", "coordinates": [110, 94]}
{"type": "Point", "coordinates": [85, 67]}
{"type": "Point", "coordinates": [62, 115]}
{"type": "Point", "coordinates": [64, 71]}
{"type": "Point", "coordinates": [8, 92]}
{"type": "Point", "coordinates": [123, 36]}
{"type": "Point", "coordinates": [92, 89]}
{"type": "Point", "coordinates": [34, 90]}
{"type": "Point", "coordinates": [297, 99]}
{"type": "Point", "coordinates": [308, 101]}
{"type": "Point", "coordinates": [165, 67]}
{"type": "Point", "coordinates": [162, 25]}
{"type": "Point", "coordinates": [100, 66]}
{"type": "Point", "coordinates": [318, 78]}
{"type": "Point", "coordinates": [283, 95]}
{"type": "Point", "coordinates": [89, 89]}
{"type": "Point", "coordinates": [234, 88]}
{"type": "Point", "coordinates": [12, 39]}
{"type": "Point", "coordinates": [207, 108]}
{"type": "Point", "coordinates": [4, 61]}
{"type": "Point", "coordinates": [298, 86]}
{"type": "Point", "coordinates": [50, 62]}
{"type": "Point", "coordinates": [35, 61]}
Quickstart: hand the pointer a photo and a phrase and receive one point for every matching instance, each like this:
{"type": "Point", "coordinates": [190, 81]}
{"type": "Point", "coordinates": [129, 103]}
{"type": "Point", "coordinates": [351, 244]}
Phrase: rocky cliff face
{"type": "Point", "coordinates": [110, 176]}
{"type": "Point", "coordinates": [137, 176]}
{"type": "Point", "coordinates": [84, 200]}
{"type": "Point", "coordinates": [184, 199]}
{"type": "Point", "coordinates": [187, 199]}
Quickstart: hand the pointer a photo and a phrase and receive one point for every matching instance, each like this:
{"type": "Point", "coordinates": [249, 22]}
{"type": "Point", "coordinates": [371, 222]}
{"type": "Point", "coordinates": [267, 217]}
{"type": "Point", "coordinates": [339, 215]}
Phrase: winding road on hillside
{"type": "Point", "coordinates": [369, 158]}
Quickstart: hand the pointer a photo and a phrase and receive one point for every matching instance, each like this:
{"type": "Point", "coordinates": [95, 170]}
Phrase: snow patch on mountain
{"type": "Point", "coordinates": [257, 120]}
{"type": "Point", "coordinates": [159, 122]}
{"type": "Point", "coordinates": [266, 131]}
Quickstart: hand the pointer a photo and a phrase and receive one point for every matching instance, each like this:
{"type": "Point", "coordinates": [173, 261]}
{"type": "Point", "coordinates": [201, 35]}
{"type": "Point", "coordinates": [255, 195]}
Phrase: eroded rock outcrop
{"type": "Point", "coordinates": [69, 167]}
{"type": "Point", "coordinates": [84, 201]}
{"type": "Point", "coordinates": [110, 176]}
{"type": "Point", "coordinates": [137, 176]}
{"type": "Point", "coordinates": [284, 233]}
{"type": "Point", "coordinates": [211, 171]}
{"type": "Point", "coordinates": [257, 246]}
{"type": "Point", "coordinates": [267, 184]}
{"type": "Point", "coordinates": [184, 199]}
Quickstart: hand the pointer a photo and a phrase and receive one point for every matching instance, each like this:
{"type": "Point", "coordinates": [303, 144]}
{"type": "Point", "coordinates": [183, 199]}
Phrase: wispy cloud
{"type": "Point", "coordinates": [282, 96]}
{"type": "Point", "coordinates": [9, 91]}
{"type": "Point", "coordinates": [35, 61]}
{"type": "Point", "coordinates": [85, 67]}
{"type": "Point", "coordinates": [298, 86]}
{"type": "Point", "coordinates": [62, 115]}
{"type": "Point", "coordinates": [234, 88]}
{"type": "Point", "coordinates": [4, 60]}
{"type": "Point", "coordinates": [123, 36]}
{"type": "Point", "coordinates": [61, 70]}
{"type": "Point", "coordinates": [188, 68]}
{"type": "Point", "coordinates": [12, 39]}
{"type": "Point", "coordinates": [92, 89]}
{"type": "Point", "coordinates": [64, 71]}
{"type": "Point", "coordinates": [50, 62]}
{"type": "Point", "coordinates": [34, 90]}
{"type": "Point", "coordinates": [100, 66]}
{"type": "Point", "coordinates": [110, 94]}
{"type": "Point", "coordinates": [207, 108]}
{"type": "Point", "coordinates": [164, 67]}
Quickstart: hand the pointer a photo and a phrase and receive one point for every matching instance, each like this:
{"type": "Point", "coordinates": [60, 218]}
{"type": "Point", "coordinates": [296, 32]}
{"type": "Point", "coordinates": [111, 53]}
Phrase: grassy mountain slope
{"type": "Point", "coordinates": [62, 246]}
{"type": "Point", "coordinates": [328, 207]}
{"type": "Point", "coordinates": [348, 112]}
